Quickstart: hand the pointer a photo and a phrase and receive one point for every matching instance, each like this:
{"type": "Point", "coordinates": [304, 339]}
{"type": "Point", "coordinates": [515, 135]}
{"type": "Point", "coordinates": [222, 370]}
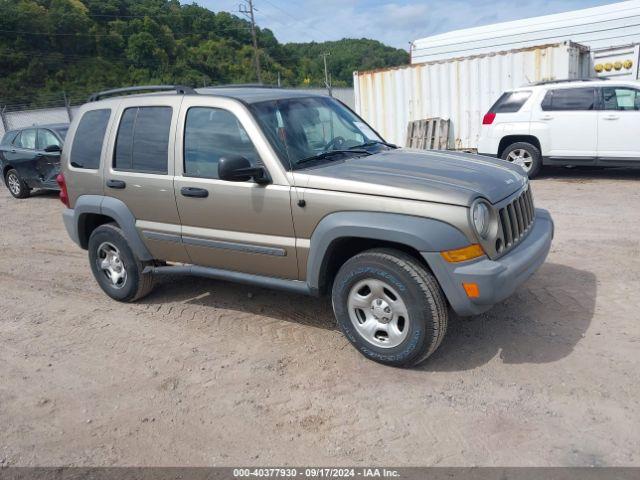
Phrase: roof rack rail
{"type": "Point", "coordinates": [180, 89]}
{"type": "Point", "coordinates": [243, 85]}
{"type": "Point", "coordinates": [566, 80]}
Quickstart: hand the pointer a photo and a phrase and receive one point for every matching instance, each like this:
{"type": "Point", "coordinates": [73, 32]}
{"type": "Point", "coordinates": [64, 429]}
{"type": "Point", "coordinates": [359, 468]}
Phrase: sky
{"type": "Point", "coordinates": [394, 23]}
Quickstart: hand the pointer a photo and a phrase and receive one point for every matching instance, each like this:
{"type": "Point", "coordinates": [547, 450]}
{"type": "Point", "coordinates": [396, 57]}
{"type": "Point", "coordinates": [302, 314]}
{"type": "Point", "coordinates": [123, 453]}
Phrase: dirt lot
{"type": "Point", "coordinates": [209, 373]}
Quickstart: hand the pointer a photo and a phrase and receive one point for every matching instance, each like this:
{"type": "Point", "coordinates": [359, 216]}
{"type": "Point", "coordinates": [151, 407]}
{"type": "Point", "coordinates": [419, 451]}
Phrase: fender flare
{"type": "Point", "coordinates": [419, 233]}
{"type": "Point", "coordinates": [5, 169]}
{"type": "Point", "coordinates": [116, 209]}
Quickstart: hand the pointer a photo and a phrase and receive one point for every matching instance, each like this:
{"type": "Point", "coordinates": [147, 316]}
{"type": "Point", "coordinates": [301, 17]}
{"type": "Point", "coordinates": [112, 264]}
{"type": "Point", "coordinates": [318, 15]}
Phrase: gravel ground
{"type": "Point", "coordinates": [203, 372]}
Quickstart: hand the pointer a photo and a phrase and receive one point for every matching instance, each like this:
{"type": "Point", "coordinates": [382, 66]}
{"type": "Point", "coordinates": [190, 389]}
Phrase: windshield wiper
{"type": "Point", "coordinates": [374, 142]}
{"type": "Point", "coordinates": [330, 153]}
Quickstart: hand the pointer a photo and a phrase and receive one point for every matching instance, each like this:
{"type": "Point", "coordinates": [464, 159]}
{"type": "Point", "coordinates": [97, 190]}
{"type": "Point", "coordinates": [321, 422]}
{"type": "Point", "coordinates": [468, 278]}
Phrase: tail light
{"type": "Point", "coordinates": [64, 195]}
{"type": "Point", "coordinates": [489, 118]}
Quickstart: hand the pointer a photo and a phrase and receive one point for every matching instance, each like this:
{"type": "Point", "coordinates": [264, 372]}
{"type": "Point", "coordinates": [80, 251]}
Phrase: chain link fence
{"type": "Point", "coordinates": [41, 111]}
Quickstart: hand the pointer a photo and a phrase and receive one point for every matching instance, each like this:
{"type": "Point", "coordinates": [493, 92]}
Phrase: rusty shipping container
{"type": "Point", "coordinates": [459, 89]}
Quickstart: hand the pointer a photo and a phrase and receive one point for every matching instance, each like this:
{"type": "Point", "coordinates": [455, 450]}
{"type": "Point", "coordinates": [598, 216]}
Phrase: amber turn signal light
{"type": "Point", "coordinates": [472, 290]}
{"type": "Point", "coordinates": [463, 254]}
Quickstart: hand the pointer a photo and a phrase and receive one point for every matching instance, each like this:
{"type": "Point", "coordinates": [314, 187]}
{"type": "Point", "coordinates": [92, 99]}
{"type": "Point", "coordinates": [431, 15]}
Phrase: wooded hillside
{"type": "Point", "coordinates": [80, 46]}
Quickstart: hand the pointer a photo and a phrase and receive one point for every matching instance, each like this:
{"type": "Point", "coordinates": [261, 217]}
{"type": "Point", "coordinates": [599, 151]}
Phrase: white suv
{"type": "Point", "coordinates": [571, 123]}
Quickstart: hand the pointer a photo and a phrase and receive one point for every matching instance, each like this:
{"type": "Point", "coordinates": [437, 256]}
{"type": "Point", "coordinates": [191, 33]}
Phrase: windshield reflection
{"type": "Point", "coordinates": [309, 127]}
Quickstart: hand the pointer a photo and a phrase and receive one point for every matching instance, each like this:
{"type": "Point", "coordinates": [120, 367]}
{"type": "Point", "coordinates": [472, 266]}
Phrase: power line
{"type": "Point", "coordinates": [65, 34]}
{"type": "Point", "coordinates": [75, 58]}
{"type": "Point", "coordinates": [299, 20]}
{"type": "Point", "coordinates": [247, 9]}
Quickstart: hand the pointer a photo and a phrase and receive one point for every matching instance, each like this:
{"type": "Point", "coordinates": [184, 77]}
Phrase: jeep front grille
{"type": "Point", "coordinates": [516, 219]}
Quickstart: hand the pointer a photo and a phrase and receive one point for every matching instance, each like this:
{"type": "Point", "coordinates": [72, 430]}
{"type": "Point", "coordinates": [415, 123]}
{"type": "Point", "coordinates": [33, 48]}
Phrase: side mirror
{"type": "Point", "coordinates": [235, 168]}
{"type": "Point", "coordinates": [53, 149]}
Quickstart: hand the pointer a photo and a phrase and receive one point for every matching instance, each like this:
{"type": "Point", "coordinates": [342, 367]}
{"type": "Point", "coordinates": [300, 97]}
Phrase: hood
{"type": "Point", "coordinates": [427, 175]}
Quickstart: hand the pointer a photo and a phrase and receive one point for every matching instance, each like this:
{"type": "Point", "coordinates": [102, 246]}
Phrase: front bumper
{"type": "Point", "coordinates": [496, 279]}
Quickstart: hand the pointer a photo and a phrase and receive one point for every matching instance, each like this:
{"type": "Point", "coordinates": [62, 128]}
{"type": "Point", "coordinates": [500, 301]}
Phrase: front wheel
{"type": "Point", "coordinates": [390, 307]}
{"type": "Point", "coordinates": [115, 267]}
{"type": "Point", "coordinates": [16, 185]}
{"type": "Point", "coordinates": [525, 155]}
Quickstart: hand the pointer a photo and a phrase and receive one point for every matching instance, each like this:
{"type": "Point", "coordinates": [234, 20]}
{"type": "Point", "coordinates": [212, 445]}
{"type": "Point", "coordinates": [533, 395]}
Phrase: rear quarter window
{"type": "Point", "coordinates": [511, 102]}
{"type": "Point", "coordinates": [88, 139]}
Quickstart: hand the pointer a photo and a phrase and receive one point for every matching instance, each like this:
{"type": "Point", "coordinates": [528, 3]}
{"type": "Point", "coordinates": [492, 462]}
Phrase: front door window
{"type": "Point", "coordinates": [209, 135]}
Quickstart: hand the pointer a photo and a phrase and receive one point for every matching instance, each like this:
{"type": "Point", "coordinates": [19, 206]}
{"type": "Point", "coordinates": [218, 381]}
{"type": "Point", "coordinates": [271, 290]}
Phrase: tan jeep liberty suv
{"type": "Point", "coordinates": [289, 190]}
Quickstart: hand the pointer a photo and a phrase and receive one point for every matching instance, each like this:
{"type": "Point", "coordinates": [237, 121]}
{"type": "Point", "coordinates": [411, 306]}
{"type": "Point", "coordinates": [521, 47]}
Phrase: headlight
{"type": "Point", "coordinates": [481, 215]}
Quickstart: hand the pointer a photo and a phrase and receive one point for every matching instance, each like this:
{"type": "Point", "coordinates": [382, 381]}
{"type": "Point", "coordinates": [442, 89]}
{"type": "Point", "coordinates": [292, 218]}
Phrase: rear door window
{"type": "Point", "coordinates": [567, 99]}
{"type": "Point", "coordinates": [87, 141]}
{"type": "Point", "coordinates": [142, 143]}
{"type": "Point", "coordinates": [27, 139]}
{"type": "Point", "coordinates": [511, 102]}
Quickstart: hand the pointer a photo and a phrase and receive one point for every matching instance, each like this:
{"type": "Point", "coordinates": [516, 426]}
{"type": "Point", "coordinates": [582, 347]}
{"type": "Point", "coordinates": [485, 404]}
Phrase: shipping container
{"type": "Point", "coordinates": [461, 89]}
{"type": "Point", "coordinates": [597, 27]}
{"type": "Point", "coordinates": [344, 94]}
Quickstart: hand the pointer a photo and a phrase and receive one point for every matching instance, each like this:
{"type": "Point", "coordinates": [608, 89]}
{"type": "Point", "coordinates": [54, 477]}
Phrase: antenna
{"type": "Point", "coordinates": [327, 75]}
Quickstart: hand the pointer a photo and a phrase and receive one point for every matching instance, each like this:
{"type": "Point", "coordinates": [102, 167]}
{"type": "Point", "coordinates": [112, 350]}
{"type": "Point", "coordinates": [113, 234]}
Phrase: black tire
{"type": "Point", "coordinates": [16, 185]}
{"type": "Point", "coordinates": [135, 284]}
{"type": "Point", "coordinates": [533, 151]}
{"type": "Point", "coordinates": [417, 288]}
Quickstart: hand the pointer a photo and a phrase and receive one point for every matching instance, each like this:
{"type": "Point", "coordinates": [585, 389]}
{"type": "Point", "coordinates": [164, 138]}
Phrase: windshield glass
{"type": "Point", "coordinates": [303, 128]}
{"type": "Point", "coordinates": [62, 131]}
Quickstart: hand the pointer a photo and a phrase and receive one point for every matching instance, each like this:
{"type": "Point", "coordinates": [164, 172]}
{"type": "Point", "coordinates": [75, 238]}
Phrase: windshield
{"type": "Point", "coordinates": [62, 131]}
{"type": "Point", "coordinates": [304, 128]}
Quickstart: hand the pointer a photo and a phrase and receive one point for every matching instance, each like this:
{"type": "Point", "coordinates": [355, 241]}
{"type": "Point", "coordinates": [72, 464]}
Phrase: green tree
{"type": "Point", "coordinates": [80, 46]}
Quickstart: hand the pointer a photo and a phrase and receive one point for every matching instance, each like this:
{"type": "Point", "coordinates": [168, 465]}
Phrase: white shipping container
{"type": "Point", "coordinates": [461, 90]}
{"type": "Point", "coordinates": [596, 27]}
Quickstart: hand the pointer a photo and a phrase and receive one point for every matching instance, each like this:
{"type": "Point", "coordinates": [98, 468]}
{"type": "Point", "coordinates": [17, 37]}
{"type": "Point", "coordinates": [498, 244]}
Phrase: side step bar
{"type": "Point", "coordinates": [294, 286]}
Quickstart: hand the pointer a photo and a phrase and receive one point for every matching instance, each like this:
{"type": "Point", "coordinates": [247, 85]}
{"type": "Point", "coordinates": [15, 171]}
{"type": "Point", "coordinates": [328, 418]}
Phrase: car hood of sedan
{"type": "Point", "coordinates": [427, 175]}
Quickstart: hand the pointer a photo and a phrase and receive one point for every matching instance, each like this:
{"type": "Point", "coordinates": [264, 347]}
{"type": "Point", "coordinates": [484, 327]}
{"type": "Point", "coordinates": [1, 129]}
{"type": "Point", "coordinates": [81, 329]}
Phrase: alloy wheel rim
{"type": "Point", "coordinates": [378, 313]}
{"type": "Point", "coordinates": [110, 264]}
{"type": "Point", "coordinates": [14, 184]}
{"type": "Point", "coordinates": [521, 157]}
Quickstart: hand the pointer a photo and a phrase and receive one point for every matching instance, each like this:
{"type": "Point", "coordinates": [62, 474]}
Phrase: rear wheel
{"type": "Point", "coordinates": [117, 270]}
{"type": "Point", "coordinates": [17, 187]}
{"type": "Point", "coordinates": [526, 156]}
{"type": "Point", "coordinates": [390, 307]}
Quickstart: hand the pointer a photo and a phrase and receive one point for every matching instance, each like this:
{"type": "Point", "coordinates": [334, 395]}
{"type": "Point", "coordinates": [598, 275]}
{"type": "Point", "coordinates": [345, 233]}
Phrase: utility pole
{"type": "Point", "coordinates": [247, 9]}
{"type": "Point", "coordinates": [67, 105]}
{"type": "Point", "coordinates": [3, 118]}
{"type": "Point", "coordinates": [327, 77]}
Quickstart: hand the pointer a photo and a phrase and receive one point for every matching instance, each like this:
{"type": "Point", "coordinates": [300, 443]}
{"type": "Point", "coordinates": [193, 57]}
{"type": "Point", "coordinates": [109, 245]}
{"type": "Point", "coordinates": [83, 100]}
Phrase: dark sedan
{"type": "Point", "coordinates": [30, 158]}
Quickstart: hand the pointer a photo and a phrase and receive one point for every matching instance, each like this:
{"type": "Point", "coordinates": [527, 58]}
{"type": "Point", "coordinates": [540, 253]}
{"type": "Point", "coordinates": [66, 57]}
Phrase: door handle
{"type": "Point", "coordinates": [118, 184]}
{"type": "Point", "coordinates": [194, 192]}
{"type": "Point", "coordinates": [611, 117]}
{"type": "Point", "coordinates": [13, 150]}
{"type": "Point", "coordinates": [39, 155]}
{"type": "Point", "coordinates": [546, 117]}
